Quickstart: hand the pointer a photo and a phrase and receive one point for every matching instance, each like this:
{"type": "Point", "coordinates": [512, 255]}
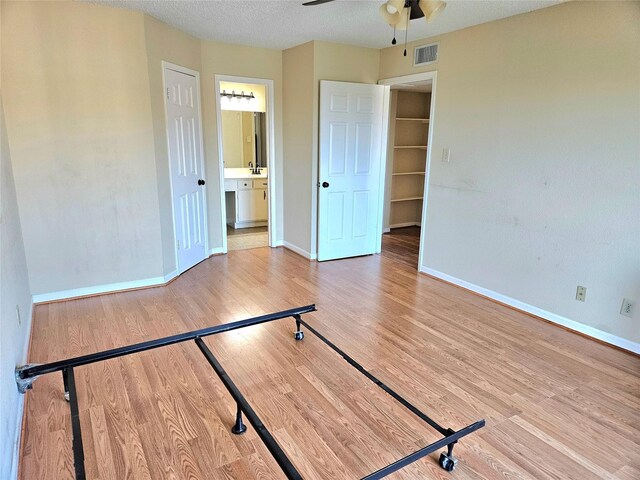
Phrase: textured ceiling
{"type": "Point", "coordinates": [286, 23]}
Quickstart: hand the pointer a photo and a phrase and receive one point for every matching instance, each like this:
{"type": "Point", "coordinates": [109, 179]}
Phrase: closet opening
{"type": "Point", "coordinates": [407, 167]}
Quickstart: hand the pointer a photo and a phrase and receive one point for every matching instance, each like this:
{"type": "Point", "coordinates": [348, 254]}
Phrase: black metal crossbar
{"type": "Point", "coordinates": [36, 370]}
{"type": "Point", "coordinates": [27, 374]}
{"type": "Point", "coordinates": [243, 405]}
{"type": "Point", "coordinates": [78, 450]}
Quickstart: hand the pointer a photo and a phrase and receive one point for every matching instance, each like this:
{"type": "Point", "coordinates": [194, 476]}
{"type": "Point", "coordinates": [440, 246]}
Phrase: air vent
{"type": "Point", "coordinates": [425, 54]}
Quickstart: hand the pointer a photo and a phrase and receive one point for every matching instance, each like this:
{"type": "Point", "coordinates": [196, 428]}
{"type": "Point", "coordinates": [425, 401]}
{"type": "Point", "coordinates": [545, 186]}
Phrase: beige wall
{"type": "Point", "coordinates": [341, 63]}
{"type": "Point", "coordinates": [542, 115]}
{"type": "Point", "coordinates": [297, 66]}
{"type": "Point", "coordinates": [15, 309]}
{"type": "Point", "coordinates": [165, 43]}
{"type": "Point", "coordinates": [78, 114]}
{"type": "Point", "coordinates": [225, 59]}
{"type": "Point", "coordinates": [258, 104]}
{"type": "Point", "coordinates": [304, 66]}
{"type": "Point", "coordinates": [95, 186]}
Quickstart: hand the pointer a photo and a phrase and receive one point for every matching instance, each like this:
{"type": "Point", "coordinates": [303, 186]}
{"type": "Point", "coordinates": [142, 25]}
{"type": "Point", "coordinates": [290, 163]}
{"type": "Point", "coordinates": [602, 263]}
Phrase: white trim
{"type": "Point", "coordinates": [386, 230]}
{"type": "Point", "coordinates": [299, 250]}
{"type": "Point", "coordinates": [271, 148]}
{"type": "Point", "coordinates": [406, 224]}
{"type": "Point", "coordinates": [170, 276]}
{"type": "Point", "coordinates": [100, 289]}
{"type": "Point", "coordinates": [15, 460]}
{"type": "Point", "coordinates": [249, 224]}
{"type": "Point", "coordinates": [421, 77]}
{"type": "Point", "coordinates": [216, 251]}
{"type": "Point", "coordinates": [414, 77]}
{"type": "Point", "coordinates": [279, 243]}
{"type": "Point", "coordinates": [538, 312]}
{"type": "Point", "coordinates": [384, 146]}
{"type": "Point", "coordinates": [193, 73]}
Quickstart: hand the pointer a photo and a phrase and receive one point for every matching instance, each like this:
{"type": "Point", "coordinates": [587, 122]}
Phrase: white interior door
{"type": "Point", "coordinates": [186, 167]}
{"type": "Point", "coordinates": [349, 169]}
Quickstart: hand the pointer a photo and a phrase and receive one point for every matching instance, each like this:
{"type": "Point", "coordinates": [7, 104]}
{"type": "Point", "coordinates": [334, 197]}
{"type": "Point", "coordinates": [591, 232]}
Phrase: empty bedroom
{"type": "Point", "coordinates": [319, 239]}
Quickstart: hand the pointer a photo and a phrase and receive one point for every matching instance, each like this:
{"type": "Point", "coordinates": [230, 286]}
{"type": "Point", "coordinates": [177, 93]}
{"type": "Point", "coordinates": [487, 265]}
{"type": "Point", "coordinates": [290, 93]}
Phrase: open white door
{"type": "Point", "coordinates": [351, 117]}
{"type": "Point", "coordinates": [186, 166]}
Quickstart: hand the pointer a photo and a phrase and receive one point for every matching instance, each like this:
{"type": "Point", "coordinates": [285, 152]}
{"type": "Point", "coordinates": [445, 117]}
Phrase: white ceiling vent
{"type": "Point", "coordinates": [425, 54]}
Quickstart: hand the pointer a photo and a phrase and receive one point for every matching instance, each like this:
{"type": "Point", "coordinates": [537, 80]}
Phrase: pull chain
{"type": "Point", "coordinates": [406, 32]}
{"type": "Point", "coordinates": [393, 42]}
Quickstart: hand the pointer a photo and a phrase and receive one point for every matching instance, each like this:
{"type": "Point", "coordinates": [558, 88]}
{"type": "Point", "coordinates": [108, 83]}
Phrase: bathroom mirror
{"type": "Point", "coordinates": [243, 139]}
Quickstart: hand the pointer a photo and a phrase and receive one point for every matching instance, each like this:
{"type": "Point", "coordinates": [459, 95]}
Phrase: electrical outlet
{"type": "Point", "coordinates": [581, 293]}
{"type": "Point", "coordinates": [627, 307]}
{"type": "Point", "coordinates": [18, 315]}
{"type": "Point", "coordinates": [446, 155]}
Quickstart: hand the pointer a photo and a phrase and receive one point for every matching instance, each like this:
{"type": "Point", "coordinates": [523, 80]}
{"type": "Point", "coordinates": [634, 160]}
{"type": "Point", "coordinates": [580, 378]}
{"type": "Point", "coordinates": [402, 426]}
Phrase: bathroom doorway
{"type": "Point", "coordinates": [245, 145]}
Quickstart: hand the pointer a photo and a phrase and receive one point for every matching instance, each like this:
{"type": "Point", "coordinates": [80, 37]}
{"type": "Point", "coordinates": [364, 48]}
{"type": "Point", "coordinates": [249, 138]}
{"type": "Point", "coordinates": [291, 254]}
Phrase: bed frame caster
{"type": "Point", "coordinates": [239, 428]}
{"type": "Point", "coordinates": [298, 334]}
{"type": "Point", "coordinates": [447, 460]}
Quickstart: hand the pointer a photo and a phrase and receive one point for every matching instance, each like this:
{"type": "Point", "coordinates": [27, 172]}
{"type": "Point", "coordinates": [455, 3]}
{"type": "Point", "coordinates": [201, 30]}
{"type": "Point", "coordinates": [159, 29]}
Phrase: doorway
{"type": "Point", "coordinates": [246, 152]}
{"type": "Point", "coordinates": [186, 164]}
{"type": "Point", "coordinates": [411, 106]}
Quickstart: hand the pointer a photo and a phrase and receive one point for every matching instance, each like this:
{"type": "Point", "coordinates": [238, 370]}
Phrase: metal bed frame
{"type": "Point", "coordinates": [26, 375]}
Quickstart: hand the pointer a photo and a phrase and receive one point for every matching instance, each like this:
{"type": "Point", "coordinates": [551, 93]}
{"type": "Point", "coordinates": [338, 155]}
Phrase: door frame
{"type": "Point", "coordinates": [416, 77]}
{"type": "Point", "coordinates": [271, 153]}
{"type": "Point", "coordinates": [187, 71]}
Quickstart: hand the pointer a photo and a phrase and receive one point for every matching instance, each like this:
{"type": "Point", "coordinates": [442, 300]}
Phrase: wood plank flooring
{"type": "Point", "coordinates": [402, 245]}
{"type": "Point", "coordinates": [557, 405]}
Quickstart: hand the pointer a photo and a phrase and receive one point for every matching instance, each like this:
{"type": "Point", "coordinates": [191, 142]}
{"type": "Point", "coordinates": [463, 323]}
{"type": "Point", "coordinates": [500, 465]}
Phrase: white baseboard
{"type": "Point", "coordinates": [403, 225]}
{"type": "Point", "coordinates": [240, 225]}
{"type": "Point", "coordinates": [15, 459]}
{"type": "Point", "coordinates": [216, 251]}
{"type": "Point", "coordinates": [170, 276]}
{"type": "Point", "coordinates": [386, 230]}
{"type": "Point", "coordinates": [278, 243]}
{"type": "Point", "coordinates": [99, 289]}
{"type": "Point", "coordinates": [538, 312]}
{"type": "Point", "coordinates": [299, 250]}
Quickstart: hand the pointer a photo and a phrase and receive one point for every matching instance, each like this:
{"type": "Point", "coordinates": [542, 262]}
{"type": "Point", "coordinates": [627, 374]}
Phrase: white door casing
{"type": "Point", "coordinates": [351, 117]}
{"type": "Point", "coordinates": [186, 164]}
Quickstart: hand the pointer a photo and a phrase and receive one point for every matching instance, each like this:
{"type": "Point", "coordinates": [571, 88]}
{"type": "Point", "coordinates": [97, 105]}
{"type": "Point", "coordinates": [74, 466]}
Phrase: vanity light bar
{"type": "Point", "coordinates": [233, 94]}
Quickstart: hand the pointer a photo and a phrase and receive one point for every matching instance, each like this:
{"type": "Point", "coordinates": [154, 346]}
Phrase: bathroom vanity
{"type": "Point", "coordinates": [247, 197]}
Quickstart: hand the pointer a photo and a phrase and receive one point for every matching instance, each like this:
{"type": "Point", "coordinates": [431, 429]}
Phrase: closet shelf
{"type": "Point", "coordinates": [407, 173]}
{"type": "Point", "coordinates": [406, 199]}
{"type": "Point", "coordinates": [421, 147]}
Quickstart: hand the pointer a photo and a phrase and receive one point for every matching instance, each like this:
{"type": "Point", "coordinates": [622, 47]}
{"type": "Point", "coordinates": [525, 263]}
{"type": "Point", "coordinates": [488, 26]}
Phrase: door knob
{"type": "Point", "coordinates": [325, 184]}
{"type": "Point", "coordinates": [201, 182]}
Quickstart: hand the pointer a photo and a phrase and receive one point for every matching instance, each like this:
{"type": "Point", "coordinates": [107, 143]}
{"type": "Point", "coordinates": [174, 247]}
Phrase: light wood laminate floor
{"type": "Point", "coordinates": [402, 245]}
{"type": "Point", "coordinates": [557, 405]}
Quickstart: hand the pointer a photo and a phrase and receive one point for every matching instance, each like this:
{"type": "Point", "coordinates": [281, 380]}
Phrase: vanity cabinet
{"type": "Point", "coordinates": [247, 202]}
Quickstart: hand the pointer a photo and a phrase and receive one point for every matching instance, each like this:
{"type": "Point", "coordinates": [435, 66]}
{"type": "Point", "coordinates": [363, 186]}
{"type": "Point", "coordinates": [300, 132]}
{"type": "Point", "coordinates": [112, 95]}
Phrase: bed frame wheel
{"type": "Point", "coordinates": [448, 462]}
{"type": "Point", "coordinates": [298, 335]}
{"type": "Point", "coordinates": [66, 396]}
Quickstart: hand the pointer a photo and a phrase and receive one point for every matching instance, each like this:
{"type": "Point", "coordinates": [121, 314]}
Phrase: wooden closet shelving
{"type": "Point", "coordinates": [411, 131]}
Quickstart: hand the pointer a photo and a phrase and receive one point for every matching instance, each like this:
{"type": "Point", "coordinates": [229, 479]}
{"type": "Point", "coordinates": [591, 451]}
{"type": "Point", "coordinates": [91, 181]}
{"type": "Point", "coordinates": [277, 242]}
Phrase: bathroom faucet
{"type": "Point", "coordinates": [254, 170]}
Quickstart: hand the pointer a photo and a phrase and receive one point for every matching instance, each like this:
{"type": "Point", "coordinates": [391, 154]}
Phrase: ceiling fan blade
{"type": "Point", "coordinates": [316, 2]}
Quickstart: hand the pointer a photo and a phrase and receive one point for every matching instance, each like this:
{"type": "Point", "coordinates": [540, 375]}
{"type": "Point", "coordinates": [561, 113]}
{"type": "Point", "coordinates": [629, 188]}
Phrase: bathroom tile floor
{"type": "Point", "coordinates": [245, 238]}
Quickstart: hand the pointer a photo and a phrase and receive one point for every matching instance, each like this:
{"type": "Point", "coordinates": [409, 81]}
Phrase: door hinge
{"type": "Point", "coordinates": [167, 93]}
